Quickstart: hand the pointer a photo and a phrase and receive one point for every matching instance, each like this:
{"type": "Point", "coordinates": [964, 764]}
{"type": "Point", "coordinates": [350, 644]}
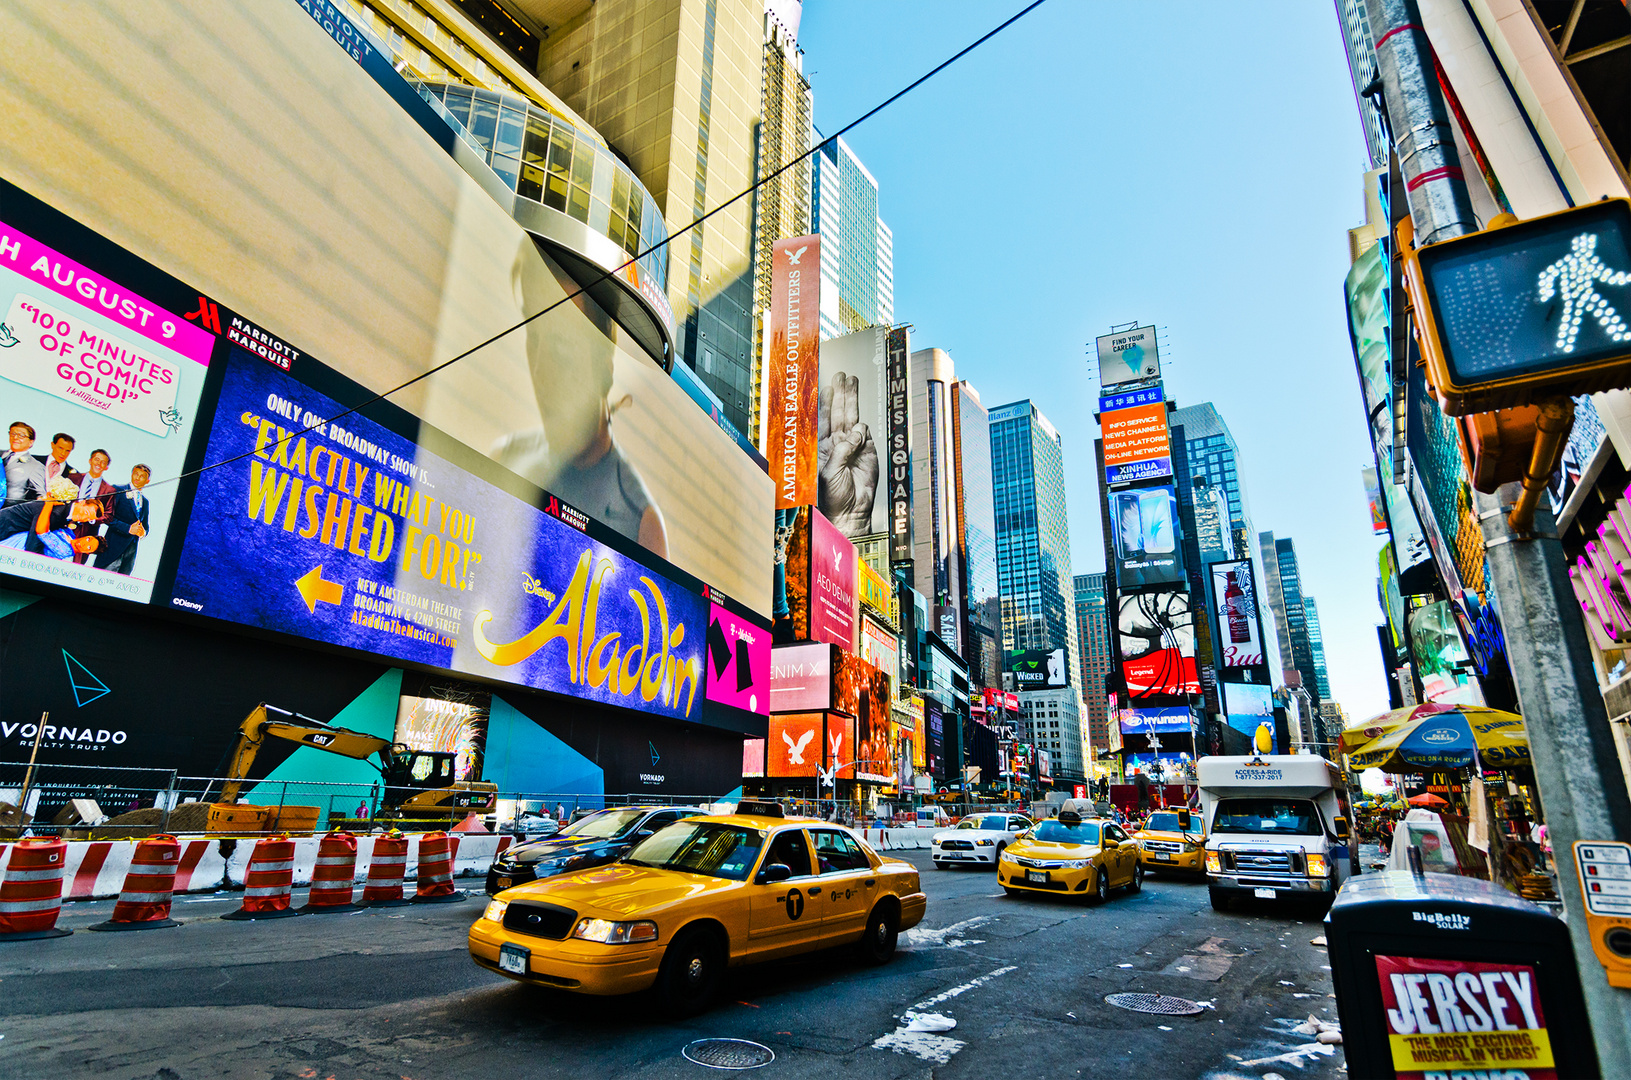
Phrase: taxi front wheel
{"type": "Point", "coordinates": [1101, 885]}
{"type": "Point", "coordinates": [689, 978]}
{"type": "Point", "coordinates": [877, 944]}
{"type": "Point", "coordinates": [1137, 884]}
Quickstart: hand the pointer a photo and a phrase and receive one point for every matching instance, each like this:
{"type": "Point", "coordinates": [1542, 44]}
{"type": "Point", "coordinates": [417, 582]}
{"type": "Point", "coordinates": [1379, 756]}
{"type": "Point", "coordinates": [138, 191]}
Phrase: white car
{"type": "Point", "coordinates": [978, 839]}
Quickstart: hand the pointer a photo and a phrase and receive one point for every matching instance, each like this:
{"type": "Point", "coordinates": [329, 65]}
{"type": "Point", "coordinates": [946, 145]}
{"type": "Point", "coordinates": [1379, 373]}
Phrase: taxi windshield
{"type": "Point", "coordinates": [989, 823]}
{"type": "Point", "coordinates": [1285, 817]}
{"type": "Point", "coordinates": [603, 824]}
{"type": "Point", "coordinates": [723, 851]}
{"type": "Point", "coordinates": [1057, 832]}
{"type": "Point", "coordinates": [1162, 823]}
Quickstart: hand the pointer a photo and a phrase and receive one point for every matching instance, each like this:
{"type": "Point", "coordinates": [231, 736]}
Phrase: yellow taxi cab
{"type": "Point", "coordinates": [698, 896]}
{"type": "Point", "coordinates": [1166, 842]}
{"type": "Point", "coordinates": [1074, 856]}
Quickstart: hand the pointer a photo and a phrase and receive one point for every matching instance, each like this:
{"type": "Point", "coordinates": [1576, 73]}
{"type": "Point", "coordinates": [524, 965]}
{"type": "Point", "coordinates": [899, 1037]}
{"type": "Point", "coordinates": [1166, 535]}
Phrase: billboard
{"type": "Point", "coordinates": [1428, 1001]}
{"type": "Point", "coordinates": [852, 414]}
{"type": "Point", "coordinates": [794, 744]}
{"type": "Point", "coordinates": [753, 757]}
{"type": "Point", "coordinates": [1039, 669]}
{"type": "Point", "coordinates": [101, 386]}
{"type": "Point", "coordinates": [1154, 721]}
{"type": "Point", "coordinates": [792, 367]}
{"type": "Point", "coordinates": [353, 535]}
{"type": "Point", "coordinates": [1134, 427]}
{"type": "Point", "coordinates": [1130, 356]}
{"type": "Point", "coordinates": [800, 678]}
{"type": "Point", "coordinates": [455, 727]}
{"type": "Point", "coordinates": [1247, 705]}
{"type": "Point", "coordinates": [1240, 632]}
{"type": "Point", "coordinates": [738, 661]}
{"type": "Point", "coordinates": [839, 750]}
{"type": "Point", "coordinates": [832, 584]}
{"type": "Point", "coordinates": [898, 352]}
{"type": "Point", "coordinates": [875, 591]}
{"type": "Point", "coordinates": [1157, 639]}
{"type": "Point", "coordinates": [880, 648]}
{"type": "Point", "coordinates": [1145, 536]}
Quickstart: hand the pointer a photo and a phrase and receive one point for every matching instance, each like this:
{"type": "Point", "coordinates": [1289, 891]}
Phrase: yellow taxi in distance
{"type": "Point", "coordinates": [698, 896]}
{"type": "Point", "coordinates": [1073, 856]}
{"type": "Point", "coordinates": [1166, 842]}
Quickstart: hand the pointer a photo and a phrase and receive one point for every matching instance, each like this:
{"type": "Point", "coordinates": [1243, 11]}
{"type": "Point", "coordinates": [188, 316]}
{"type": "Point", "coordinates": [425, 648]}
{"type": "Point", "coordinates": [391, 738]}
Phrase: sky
{"type": "Point", "coordinates": [1174, 162]}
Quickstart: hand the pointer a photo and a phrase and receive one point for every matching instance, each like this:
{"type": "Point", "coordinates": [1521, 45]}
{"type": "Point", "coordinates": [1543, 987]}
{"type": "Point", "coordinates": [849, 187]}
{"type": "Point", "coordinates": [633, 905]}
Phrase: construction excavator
{"type": "Point", "coordinates": [419, 786]}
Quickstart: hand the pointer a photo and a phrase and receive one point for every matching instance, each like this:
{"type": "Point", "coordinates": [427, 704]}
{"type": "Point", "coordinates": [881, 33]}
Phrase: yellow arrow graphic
{"type": "Point", "coordinates": [314, 590]}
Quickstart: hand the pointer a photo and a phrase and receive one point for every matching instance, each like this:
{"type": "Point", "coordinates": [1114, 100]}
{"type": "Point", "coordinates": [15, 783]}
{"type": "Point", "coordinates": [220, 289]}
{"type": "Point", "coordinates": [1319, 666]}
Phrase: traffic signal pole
{"type": "Point", "coordinates": [1571, 747]}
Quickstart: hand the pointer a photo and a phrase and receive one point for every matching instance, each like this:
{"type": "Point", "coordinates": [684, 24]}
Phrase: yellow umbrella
{"type": "Point", "coordinates": [1435, 736]}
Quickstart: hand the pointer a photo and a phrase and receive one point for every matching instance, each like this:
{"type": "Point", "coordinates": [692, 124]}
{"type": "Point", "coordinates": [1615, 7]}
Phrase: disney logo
{"type": "Point", "coordinates": [533, 587]}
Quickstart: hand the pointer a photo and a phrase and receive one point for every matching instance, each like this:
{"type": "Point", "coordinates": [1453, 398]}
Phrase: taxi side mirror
{"type": "Point", "coordinates": [774, 872]}
{"type": "Point", "coordinates": [1183, 821]}
{"type": "Point", "coordinates": [1107, 843]}
{"type": "Point", "coordinates": [1341, 825]}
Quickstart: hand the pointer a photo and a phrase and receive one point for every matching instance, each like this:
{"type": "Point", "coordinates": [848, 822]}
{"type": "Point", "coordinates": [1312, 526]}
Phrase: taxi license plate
{"type": "Point", "coordinates": [502, 883]}
{"type": "Point", "coordinates": [1163, 856]}
{"type": "Point", "coordinates": [513, 958]}
{"type": "Point", "coordinates": [1037, 876]}
{"type": "Point", "coordinates": [1263, 894]}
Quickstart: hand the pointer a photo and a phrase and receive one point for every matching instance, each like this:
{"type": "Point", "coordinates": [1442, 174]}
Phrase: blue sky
{"type": "Point", "coordinates": [1190, 164]}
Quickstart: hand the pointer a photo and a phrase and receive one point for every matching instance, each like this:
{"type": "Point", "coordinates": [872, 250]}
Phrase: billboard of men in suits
{"type": "Point", "coordinates": [126, 525]}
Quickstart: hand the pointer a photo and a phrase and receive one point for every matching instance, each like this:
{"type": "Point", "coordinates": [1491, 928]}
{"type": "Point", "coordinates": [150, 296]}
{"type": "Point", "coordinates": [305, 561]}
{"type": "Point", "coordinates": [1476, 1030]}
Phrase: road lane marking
{"type": "Point", "coordinates": [924, 1045]}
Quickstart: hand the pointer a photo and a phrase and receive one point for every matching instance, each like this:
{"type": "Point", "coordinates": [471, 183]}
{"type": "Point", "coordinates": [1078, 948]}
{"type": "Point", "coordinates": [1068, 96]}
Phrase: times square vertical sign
{"type": "Point", "coordinates": [897, 353]}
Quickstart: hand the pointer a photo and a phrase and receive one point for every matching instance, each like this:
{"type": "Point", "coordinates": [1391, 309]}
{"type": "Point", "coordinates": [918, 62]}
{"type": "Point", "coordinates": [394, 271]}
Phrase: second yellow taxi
{"type": "Point", "coordinates": [1072, 856]}
{"type": "Point", "coordinates": [1171, 840]}
{"type": "Point", "coordinates": [699, 896]}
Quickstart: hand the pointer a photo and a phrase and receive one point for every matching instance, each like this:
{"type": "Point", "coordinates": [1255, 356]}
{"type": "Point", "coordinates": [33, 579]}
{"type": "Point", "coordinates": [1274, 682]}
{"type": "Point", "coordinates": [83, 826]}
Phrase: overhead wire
{"type": "Point", "coordinates": [609, 274]}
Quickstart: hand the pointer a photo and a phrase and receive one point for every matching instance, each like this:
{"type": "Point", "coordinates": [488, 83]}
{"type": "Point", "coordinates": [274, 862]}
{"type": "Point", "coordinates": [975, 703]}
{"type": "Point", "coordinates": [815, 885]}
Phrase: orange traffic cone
{"type": "Point", "coordinates": [31, 895]}
{"type": "Point", "coordinates": [436, 871]}
{"type": "Point", "coordinates": [269, 881]}
{"type": "Point", "coordinates": [385, 871]}
{"type": "Point", "coordinates": [331, 879]}
{"type": "Point", "coordinates": [144, 903]}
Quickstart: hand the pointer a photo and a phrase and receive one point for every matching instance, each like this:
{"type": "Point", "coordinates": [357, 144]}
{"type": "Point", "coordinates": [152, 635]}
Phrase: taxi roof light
{"type": "Point", "coordinates": [761, 808]}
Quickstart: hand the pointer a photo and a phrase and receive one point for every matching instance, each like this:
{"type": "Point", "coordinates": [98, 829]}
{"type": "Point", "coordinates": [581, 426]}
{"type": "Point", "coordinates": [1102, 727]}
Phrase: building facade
{"type": "Point", "coordinates": [1053, 722]}
{"type": "Point", "coordinates": [1214, 456]}
{"type": "Point", "coordinates": [936, 561]}
{"type": "Point", "coordinates": [857, 248]}
{"type": "Point", "coordinates": [1304, 656]}
{"type": "Point", "coordinates": [1093, 639]}
{"type": "Point", "coordinates": [977, 538]}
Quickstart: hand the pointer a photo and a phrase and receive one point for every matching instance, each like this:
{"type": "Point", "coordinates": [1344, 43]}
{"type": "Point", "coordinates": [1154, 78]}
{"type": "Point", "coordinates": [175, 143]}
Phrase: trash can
{"type": "Point", "coordinates": [1449, 976]}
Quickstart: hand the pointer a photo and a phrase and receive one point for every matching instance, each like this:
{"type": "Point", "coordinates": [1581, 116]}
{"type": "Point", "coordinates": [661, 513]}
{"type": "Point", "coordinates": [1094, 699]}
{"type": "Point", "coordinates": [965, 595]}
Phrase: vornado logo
{"type": "Point", "coordinates": [60, 735]}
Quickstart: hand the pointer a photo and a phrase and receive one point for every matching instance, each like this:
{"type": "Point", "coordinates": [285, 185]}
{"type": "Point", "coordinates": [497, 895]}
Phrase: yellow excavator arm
{"type": "Point", "coordinates": [260, 723]}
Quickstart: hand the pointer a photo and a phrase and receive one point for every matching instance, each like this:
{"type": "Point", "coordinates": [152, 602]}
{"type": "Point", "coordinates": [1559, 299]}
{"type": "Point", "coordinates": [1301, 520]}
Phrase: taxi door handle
{"type": "Point", "coordinates": [816, 891]}
{"type": "Point", "coordinates": [871, 882]}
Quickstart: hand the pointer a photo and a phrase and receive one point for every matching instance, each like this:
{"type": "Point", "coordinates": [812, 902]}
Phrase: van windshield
{"type": "Point", "coordinates": [1267, 817]}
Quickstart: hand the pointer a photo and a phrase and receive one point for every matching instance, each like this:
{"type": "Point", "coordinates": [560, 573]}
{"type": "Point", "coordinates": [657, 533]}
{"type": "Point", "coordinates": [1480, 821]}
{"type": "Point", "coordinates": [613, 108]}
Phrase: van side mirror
{"type": "Point", "coordinates": [1342, 828]}
{"type": "Point", "coordinates": [1183, 821]}
{"type": "Point", "coordinates": [774, 872]}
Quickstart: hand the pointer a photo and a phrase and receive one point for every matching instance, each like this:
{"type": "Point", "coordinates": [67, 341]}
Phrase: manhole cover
{"type": "Point", "coordinates": [729, 1053]}
{"type": "Point", "coordinates": [1159, 1004]}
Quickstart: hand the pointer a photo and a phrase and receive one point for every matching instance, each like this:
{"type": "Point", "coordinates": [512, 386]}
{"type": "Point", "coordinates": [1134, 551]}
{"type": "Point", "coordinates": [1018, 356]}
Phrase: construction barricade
{"type": "Point", "coordinates": [269, 881]}
{"type": "Point", "coordinates": [435, 884]}
{"type": "Point", "coordinates": [385, 871]}
{"type": "Point", "coordinates": [31, 893]}
{"type": "Point", "coordinates": [144, 902]}
{"type": "Point", "coordinates": [332, 876]}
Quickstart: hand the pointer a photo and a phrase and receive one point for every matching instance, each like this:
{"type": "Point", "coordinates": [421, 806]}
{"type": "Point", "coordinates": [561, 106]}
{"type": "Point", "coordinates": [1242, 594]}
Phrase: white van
{"type": "Point", "coordinates": [1277, 827]}
{"type": "Point", "coordinates": [931, 817]}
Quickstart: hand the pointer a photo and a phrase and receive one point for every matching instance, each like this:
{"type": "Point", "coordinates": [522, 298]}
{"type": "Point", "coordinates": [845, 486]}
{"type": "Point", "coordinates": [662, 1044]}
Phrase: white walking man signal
{"type": "Point", "coordinates": [1574, 277]}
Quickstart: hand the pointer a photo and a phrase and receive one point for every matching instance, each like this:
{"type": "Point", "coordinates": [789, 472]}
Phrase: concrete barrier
{"type": "Point", "coordinates": [900, 839]}
{"type": "Point", "coordinates": [95, 869]}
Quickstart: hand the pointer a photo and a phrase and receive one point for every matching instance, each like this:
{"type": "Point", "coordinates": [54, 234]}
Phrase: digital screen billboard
{"type": "Point", "coordinates": [839, 751]}
{"type": "Point", "coordinates": [1154, 721]}
{"type": "Point", "coordinates": [1039, 669]}
{"type": "Point", "coordinates": [753, 757]}
{"type": "Point", "coordinates": [791, 365]}
{"type": "Point", "coordinates": [1157, 638]}
{"type": "Point", "coordinates": [794, 744]}
{"type": "Point", "coordinates": [1145, 536]}
{"type": "Point", "coordinates": [1247, 705]}
{"type": "Point", "coordinates": [800, 678]}
{"type": "Point", "coordinates": [852, 417]}
{"type": "Point", "coordinates": [832, 584]}
{"type": "Point", "coordinates": [738, 661]}
{"type": "Point", "coordinates": [353, 535]}
{"type": "Point", "coordinates": [898, 348]}
{"type": "Point", "coordinates": [454, 727]}
{"type": "Point", "coordinates": [100, 385]}
{"type": "Point", "coordinates": [1130, 356]}
{"type": "Point", "coordinates": [1240, 630]}
{"type": "Point", "coordinates": [1134, 429]}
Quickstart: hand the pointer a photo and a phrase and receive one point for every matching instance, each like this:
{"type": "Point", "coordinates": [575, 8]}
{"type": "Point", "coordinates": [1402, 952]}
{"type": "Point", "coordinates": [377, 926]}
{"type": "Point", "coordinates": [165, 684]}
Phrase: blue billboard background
{"type": "Point", "coordinates": [352, 535]}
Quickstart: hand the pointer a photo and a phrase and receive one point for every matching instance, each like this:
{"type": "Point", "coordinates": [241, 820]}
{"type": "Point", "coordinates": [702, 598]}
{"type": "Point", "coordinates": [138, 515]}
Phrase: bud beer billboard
{"type": "Point", "coordinates": [1235, 599]}
{"type": "Point", "coordinates": [792, 367]}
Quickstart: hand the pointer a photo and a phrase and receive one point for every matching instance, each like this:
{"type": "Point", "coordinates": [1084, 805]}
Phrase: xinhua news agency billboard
{"type": "Point", "coordinates": [1128, 357]}
{"type": "Point", "coordinates": [1134, 426]}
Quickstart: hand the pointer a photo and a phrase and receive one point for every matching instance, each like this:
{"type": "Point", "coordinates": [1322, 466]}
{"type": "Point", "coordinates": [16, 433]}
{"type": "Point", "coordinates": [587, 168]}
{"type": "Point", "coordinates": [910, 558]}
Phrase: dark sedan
{"type": "Point", "coordinates": [602, 837]}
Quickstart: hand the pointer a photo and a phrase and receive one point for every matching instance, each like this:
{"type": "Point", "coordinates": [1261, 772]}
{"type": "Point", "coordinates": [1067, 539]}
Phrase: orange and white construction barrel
{"type": "Point", "coordinates": [436, 871]}
{"type": "Point", "coordinates": [144, 902]}
{"type": "Point", "coordinates": [331, 878]}
{"type": "Point", "coordinates": [385, 871]}
{"type": "Point", "coordinates": [269, 881]}
{"type": "Point", "coordinates": [31, 892]}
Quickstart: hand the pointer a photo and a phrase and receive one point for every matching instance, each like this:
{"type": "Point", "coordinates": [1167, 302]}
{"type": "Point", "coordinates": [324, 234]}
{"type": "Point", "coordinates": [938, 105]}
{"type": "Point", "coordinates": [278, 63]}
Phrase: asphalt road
{"type": "Point", "coordinates": [391, 994]}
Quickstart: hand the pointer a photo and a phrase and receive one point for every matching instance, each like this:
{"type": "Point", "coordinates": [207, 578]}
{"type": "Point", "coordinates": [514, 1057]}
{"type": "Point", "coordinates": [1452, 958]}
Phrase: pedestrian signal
{"type": "Point", "coordinates": [1527, 310]}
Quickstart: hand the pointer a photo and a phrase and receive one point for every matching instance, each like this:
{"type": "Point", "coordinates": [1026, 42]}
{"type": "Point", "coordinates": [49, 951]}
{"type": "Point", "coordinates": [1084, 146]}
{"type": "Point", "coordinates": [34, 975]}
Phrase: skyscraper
{"type": "Point", "coordinates": [1093, 639]}
{"type": "Point", "coordinates": [1213, 454]}
{"type": "Point", "coordinates": [675, 87]}
{"type": "Point", "coordinates": [857, 248]}
{"type": "Point", "coordinates": [1291, 617]}
{"type": "Point", "coordinates": [1316, 646]}
{"type": "Point", "coordinates": [936, 564]}
{"type": "Point", "coordinates": [1033, 564]}
{"type": "Point", "coordinates": [977, 539]}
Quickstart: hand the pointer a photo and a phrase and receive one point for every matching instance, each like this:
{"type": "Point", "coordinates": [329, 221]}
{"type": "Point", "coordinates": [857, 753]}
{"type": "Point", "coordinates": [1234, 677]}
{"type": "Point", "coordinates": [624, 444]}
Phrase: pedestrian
{"type": "Point", "coordinates": [1141, 788]}
{"type": "Point", "coordinates": [362, 811]}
